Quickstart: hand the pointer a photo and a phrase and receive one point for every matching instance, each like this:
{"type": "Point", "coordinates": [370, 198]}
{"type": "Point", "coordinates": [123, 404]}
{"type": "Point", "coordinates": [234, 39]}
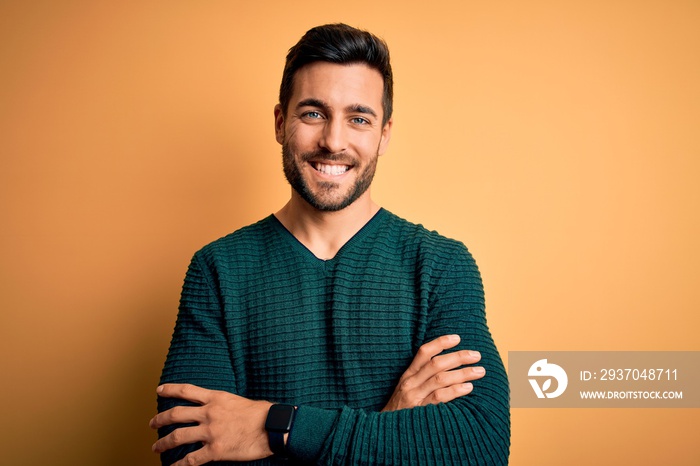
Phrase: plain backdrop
{"type": "Point", "coordinates": [558, 140]}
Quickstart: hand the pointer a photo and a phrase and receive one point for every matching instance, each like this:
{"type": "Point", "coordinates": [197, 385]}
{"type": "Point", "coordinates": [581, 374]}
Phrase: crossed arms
{"type": "Point", "coordinates": [427, 420]}
{"type": "Point", "coordinates": [231, 427]}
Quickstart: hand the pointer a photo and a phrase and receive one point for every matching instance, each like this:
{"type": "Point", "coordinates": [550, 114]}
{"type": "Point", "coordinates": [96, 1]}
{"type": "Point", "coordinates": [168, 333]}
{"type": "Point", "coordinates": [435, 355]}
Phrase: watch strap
{"type": "Point", "coordinates": [277, 443]}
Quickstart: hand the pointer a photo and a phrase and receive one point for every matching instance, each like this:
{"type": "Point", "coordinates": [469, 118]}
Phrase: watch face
{"type": "Point", "coordinates": [279, 418]}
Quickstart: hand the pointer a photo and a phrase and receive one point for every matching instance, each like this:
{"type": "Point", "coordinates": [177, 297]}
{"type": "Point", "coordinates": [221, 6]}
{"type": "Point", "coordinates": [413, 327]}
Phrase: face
{"type": "Point", "coordinates": [332, 133]}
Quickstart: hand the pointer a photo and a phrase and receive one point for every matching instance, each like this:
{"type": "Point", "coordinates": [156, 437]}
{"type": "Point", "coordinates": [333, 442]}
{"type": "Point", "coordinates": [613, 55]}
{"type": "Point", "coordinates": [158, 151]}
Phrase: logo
{"type": "Point", "coordinates": [542, 369]}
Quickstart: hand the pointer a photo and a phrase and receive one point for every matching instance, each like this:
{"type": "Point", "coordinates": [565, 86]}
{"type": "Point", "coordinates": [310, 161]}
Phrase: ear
{"type": "Point", "coordinates": [386, 136]}
{"type": "Point", "coordinates": [279, 124]}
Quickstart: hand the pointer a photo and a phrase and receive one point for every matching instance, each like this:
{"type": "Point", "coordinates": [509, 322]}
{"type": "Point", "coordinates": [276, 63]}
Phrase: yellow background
{"type": "Point", "coordinates": [558, 139]}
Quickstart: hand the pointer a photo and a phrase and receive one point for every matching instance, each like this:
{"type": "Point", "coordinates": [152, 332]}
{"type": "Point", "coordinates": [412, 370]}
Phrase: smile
{"type": "Point", "coordinates": [330, 169]}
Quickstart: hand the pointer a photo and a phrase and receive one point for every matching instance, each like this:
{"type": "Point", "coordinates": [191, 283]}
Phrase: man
{"type": "Point", "coordinates": [319, 334]}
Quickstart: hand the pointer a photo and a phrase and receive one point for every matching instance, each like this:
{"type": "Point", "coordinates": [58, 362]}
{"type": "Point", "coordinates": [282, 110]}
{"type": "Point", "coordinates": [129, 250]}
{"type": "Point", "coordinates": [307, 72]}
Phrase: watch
{"type": "Point", "coordinates": [279, 422]}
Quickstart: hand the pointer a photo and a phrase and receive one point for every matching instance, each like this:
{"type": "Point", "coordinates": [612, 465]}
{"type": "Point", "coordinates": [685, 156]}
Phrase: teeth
{"type": "Point", "coordinates": [331, 169]}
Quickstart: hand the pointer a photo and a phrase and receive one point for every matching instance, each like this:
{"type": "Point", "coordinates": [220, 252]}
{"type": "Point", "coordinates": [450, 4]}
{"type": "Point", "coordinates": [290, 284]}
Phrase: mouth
{"type": "Point", "coordinates": [330, 169]}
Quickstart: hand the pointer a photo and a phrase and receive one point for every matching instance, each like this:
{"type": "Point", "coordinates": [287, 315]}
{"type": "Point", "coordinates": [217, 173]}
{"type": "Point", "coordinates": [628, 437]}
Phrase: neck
{"type": "Point", "coordinates": [324, 233]}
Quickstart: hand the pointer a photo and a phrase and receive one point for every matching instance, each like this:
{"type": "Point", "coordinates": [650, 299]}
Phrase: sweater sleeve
{"type": "Point", "coordinates": [471, 430]}
{"type": "Point", "coordinates": [198, 351]}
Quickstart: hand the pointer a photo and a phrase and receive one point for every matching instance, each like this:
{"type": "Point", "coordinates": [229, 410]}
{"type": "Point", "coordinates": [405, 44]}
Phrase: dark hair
{"type": "Point", "coordinates": [342, 44]}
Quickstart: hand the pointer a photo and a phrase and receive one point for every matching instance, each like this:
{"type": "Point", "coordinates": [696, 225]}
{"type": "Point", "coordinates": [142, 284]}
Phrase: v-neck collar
{"type": "Point", "coordinates": [309, 256]}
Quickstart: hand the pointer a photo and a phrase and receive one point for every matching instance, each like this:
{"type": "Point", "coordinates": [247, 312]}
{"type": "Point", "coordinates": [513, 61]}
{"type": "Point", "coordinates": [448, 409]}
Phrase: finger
{"type": "Point", "coordinates": [185, 391]}
{"type": "Point", "coordinates": [443, 363]}
{"type": "Point", "coordinates": [181, 436]}
{"type": "Point", "coordinates": [452, 378]}
{"type": "Point", "coordinates": [195, 458]}
{"type": "Point", "coordinates": [447, 394]}
{"type": "Point", "coordinates": [177, 415]}
{"type": "Point", "coordinates": [465, 374]}
{"type": "Point", "coordinates": [431, 349]}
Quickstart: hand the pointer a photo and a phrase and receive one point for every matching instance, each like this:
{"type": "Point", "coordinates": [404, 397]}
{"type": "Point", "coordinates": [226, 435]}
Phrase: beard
{"type": "Point", "coordinates": [327, 198]}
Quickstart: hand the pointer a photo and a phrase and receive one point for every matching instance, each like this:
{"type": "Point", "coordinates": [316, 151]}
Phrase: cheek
{"type": "Point", "coordinates": [289, 132]}
{"type": "Point", "coordinates": [303, 134]}
{"type": "Point", "coordinates": [369, 146]}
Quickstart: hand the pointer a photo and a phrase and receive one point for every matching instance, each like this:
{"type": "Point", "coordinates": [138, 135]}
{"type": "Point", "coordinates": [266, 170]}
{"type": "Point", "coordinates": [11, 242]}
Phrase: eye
{"type": "Point", "coordinates": [312, 115]}
{"type": "Point", "coordinates": [360, 121]}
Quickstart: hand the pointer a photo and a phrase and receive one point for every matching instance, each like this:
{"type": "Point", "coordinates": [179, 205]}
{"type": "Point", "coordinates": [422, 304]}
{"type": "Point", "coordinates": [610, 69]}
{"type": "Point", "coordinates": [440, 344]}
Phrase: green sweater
{"type": "Point", "coordinates": [262, 317]}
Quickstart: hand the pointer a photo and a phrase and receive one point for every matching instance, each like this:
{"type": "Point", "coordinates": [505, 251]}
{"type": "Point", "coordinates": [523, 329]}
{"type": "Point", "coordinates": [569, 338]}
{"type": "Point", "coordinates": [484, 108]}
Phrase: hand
{"type": "Point", "coordinates": [230, 427]}
{"type": "Point", "coordinates": [433, 379]}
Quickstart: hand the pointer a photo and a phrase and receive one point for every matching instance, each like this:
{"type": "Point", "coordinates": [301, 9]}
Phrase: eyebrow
{"type": "Point", "coordinates": [312, 103]}
{"type": "Point", "coordinates": [355, 108]}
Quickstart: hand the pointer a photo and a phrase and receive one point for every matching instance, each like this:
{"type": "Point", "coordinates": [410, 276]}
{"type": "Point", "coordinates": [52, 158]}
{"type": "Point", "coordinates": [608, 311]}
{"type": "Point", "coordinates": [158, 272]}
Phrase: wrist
{"type": "Point", "coordinates": [262, 441]}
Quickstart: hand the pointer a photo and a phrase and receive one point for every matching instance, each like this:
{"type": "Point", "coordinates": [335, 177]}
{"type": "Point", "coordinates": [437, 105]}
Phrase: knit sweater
{"type": "Point", "coordinates": [262, 317]}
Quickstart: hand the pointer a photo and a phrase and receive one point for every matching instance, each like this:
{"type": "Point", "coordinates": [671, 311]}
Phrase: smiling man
{"type": "Point", "coordinates": [333, 133]}
{"type": "Point", "coordinates": [333, 332]}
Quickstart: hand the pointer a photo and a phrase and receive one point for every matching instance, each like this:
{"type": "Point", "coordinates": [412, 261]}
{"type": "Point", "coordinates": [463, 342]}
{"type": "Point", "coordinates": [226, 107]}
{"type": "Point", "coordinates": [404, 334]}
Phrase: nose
{"type": "Point", "coordinates": [334, 137]}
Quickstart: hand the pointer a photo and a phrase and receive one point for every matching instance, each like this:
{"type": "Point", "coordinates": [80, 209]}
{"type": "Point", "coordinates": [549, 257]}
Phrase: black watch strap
{"type": "Point", "coordinates": [277, 443]}
{"type": "Point", "coordinates": [279, 423]}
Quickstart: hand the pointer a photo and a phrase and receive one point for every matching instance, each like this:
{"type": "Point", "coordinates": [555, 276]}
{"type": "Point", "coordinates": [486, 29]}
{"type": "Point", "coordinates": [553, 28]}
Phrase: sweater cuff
{"type": "Point", "coordinates": [311, 428]}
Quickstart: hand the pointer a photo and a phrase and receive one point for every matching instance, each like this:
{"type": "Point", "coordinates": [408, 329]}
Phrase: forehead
{"type": "Point", "coordinates": [339, 85]}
